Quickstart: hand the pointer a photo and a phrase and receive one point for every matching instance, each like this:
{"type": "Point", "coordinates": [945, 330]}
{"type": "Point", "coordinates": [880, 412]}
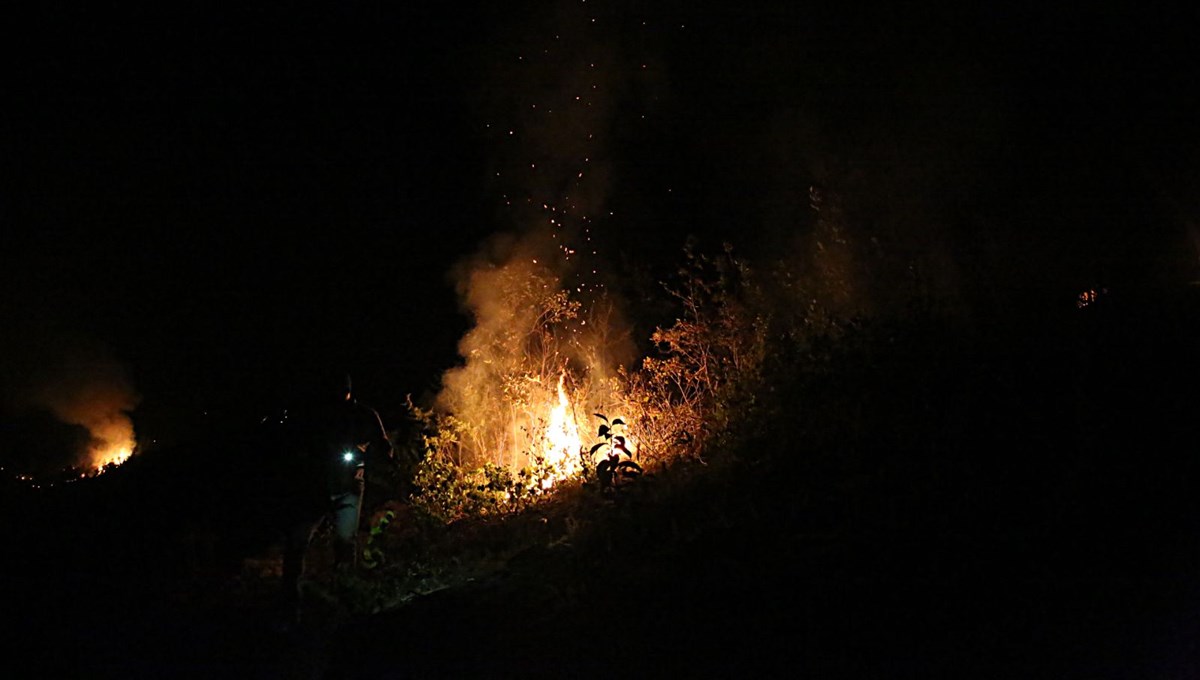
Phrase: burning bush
{"type": "Point", "coordinates": [507, 425]}
{"type": "Point", "coordinates": [513, 356]}
{"type": "Point", "coordinates": [445, 490]}
{"type": "Point", "coordinates": [536, 416]}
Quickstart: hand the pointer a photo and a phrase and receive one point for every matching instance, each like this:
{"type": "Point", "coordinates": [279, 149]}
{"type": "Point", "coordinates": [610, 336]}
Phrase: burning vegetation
{"type": "Point", "coordinates": [555, 385]}
{"type": "Point", "coordinates": [74, 416]}
{"type": "Point", "coordinates": [552, 429]}
{"type": "Point", "coordinates": [542, 399]}
{"type": "Point", "coordinates": [537, 363]}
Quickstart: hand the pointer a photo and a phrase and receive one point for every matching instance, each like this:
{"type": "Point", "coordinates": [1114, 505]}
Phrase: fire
{"type": "Point", "coordinates": [113, 443]}
{"type": "Point", "coordinates": [113, 456]}
{"type": "Point", "coordinates": [562, 440]}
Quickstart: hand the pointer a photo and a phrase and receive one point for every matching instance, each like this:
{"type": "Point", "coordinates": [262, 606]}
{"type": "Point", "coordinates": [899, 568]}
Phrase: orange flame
{"type": "Point", "coordinates": [562, 440]}
{"type": "Point", "coordinates": [113, 442]}
{"type": "Point", "coordinates": [111, 456]}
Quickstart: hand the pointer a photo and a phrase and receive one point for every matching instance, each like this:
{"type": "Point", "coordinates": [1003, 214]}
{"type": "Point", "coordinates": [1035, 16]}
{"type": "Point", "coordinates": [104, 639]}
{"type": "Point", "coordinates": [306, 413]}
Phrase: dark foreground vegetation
{"type": "Point", "coordinates": [1004, 498]}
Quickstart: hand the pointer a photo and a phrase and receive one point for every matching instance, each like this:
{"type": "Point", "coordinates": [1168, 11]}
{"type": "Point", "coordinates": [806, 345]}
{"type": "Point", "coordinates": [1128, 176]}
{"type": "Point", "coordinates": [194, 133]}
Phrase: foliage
{"type": "Point", "coordinates": [706, 362]}
{"type": "Point", "coordinates": [448, 492]}
{"type": "Point", "coordinates": [606, 455]}
{"type": "Point", "coordinates": [372, 554]}
{"type": "Point", "coordinates": [445, 491]}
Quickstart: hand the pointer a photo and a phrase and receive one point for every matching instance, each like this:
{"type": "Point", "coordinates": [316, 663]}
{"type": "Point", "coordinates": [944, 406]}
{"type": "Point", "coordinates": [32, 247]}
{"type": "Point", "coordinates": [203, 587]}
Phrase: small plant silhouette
{"type": "Point", "coordinates": [617, 465]}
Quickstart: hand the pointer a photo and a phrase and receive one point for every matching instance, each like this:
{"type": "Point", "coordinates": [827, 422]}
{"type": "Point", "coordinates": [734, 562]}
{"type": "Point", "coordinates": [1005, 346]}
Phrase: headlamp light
{"type": "Point", "coordinates": [348, 456]}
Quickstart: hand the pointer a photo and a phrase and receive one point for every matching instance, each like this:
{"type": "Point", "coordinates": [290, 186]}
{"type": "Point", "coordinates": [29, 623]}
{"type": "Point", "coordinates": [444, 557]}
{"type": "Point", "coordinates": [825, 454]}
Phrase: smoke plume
{"type": "Point", "coordinates": [537, 292]}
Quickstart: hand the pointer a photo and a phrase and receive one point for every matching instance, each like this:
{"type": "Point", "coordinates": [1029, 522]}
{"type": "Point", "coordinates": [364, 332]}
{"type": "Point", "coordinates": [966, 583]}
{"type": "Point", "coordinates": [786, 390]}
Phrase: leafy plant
{"type": "Point", "coordinates": [373, 554]}
{"type": "Point", "coordinates": [612, 469]}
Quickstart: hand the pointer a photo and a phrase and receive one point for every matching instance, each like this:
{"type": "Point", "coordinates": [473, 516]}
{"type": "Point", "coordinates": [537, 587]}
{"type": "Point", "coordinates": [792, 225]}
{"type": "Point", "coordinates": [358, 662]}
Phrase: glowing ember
{"type": "Point", "coordinates": [562, 440]}
{"type": "Point", "coordinates": [1089, 297]}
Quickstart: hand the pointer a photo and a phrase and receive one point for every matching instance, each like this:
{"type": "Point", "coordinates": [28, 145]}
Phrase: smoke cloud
{"type": "Point", "coordinates": [537, 292]}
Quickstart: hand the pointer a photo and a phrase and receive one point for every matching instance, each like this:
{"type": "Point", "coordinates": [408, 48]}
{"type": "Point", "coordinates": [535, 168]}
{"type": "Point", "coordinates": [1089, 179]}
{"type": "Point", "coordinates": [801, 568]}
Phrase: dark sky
{"type": "Point", "coordinates": [226, 198]}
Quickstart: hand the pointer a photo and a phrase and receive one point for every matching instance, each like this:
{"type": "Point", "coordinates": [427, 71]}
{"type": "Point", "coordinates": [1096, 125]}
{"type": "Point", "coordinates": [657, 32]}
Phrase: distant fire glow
{"type": "Point", "coordinates": [112, 457]}
{"type": "Point", "coordinates": [113, 441]}
{"type": "Point", "coordinates": [85, 388]}
{"type": "Point", "coordinates": [1089, 297]}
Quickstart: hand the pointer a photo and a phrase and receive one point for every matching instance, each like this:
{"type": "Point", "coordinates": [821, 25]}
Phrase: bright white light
{"type": "Point", "coordinates": [347, 456]}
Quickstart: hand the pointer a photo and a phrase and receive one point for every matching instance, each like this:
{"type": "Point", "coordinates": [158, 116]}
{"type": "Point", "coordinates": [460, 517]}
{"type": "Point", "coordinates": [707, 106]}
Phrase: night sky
{"type": "Point", "coordinates": [225, 200]}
